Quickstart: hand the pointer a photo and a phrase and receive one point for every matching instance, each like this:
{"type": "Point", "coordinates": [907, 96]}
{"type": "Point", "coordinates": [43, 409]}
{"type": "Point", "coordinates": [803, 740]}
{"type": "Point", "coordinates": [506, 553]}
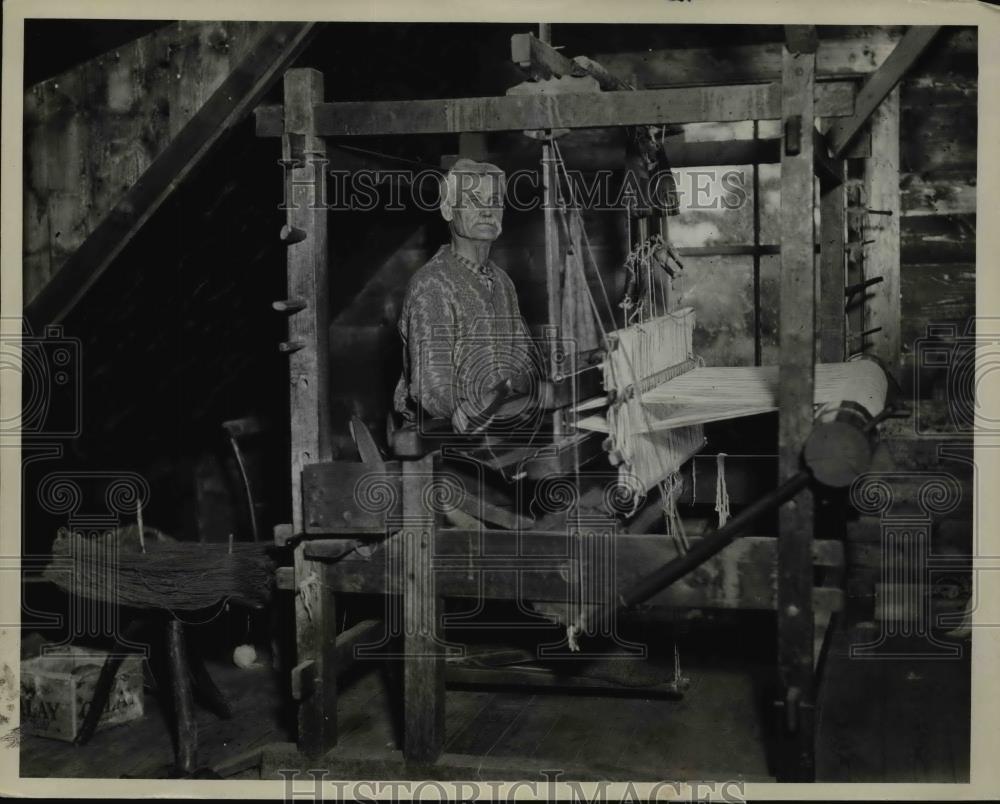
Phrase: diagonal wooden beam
{"type": "Point", "coordinates": [542, 61]}
{"type": "Point", "coordinates": [274, 52]}
{"type": "Point", "coordinates": [880, 84]}
{"type": "Point", "coordinates": [539, 59]}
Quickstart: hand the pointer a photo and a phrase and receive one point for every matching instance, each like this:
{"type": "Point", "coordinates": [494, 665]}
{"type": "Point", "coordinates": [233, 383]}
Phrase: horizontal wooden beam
{"type": "Point", "coordinates": [235, 97]}
{"type": "Point", "coordinates": [604, 154]}
{"type": "Point", "coordinates": [611, 156]}
{"type": "Point", "coordinates": [546, 566]}
{"type": "Point", "coordinates": [723, 152]}
{"type": "Point", "coordinates": [880, 84]}
{"type": "Point", "coordinates": [732, 251]}
{"type": "Point", "coordinates": [544, 678]}
{"type": "Point", "coordinates": [269, 118]}
{"type": "Point", "coordinates": [581, 110]}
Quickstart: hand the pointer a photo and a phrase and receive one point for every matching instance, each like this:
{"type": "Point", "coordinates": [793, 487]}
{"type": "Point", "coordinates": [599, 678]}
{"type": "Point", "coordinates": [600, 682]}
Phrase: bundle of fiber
{"type": "Point", "coordinates": [115, 567]}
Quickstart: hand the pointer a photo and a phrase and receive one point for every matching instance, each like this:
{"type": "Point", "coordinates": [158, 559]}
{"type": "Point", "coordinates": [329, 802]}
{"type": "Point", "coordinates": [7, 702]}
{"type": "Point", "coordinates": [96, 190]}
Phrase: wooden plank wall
{"type": "Point", "coordinates": [938, 111]}
{"type": "Point", "coordinates": [91, 132]}
{"type": "Point", "coordinates": [938, 120]}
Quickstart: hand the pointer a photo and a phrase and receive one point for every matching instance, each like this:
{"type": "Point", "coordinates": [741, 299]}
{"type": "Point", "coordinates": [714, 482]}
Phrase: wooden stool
{"type": "Point", "coordinates": [159, 581]}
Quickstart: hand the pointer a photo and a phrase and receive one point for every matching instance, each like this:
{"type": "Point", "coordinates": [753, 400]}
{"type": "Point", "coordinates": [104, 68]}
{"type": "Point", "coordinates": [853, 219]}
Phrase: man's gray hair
{"type": "Point", "coordinates": [453, 180]}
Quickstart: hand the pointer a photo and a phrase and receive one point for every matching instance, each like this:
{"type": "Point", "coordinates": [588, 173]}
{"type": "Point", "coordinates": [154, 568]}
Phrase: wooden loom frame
{"type": "Point", "coordinates": [323, 509]}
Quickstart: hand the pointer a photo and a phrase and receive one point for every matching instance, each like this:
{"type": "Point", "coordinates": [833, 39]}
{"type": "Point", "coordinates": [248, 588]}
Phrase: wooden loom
{"type": "Point", "coordinates": [397, 507]}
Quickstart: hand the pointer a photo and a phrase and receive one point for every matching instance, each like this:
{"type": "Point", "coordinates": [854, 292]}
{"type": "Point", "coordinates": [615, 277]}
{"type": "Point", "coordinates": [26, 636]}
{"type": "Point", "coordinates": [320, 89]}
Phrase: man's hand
{"type": "Point", "coordinates": [521, 383]}
{"type": "Point", "coordinates": [465, 419]}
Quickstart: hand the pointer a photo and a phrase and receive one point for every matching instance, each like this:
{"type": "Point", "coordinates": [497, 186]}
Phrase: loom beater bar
{"type": "Point", "coordinates": [704, 549]}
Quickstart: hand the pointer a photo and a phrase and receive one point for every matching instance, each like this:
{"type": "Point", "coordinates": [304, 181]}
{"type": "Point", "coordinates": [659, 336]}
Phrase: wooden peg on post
{"type": "Point", "coordinates": [291, 347]}
{"type": "Point", "coordinates": [290, 235]}
{"type": "Point", "coordinates": [289, 306]}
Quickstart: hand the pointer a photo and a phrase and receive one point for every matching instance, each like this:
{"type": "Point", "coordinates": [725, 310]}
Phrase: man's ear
{"type": "Point", "coordinates": [447, 212]}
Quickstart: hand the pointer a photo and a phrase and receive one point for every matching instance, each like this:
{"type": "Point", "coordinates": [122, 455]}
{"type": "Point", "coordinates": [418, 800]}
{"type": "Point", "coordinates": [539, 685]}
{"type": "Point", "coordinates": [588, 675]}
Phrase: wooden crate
{"type": "Point", "coordinates": [56, 692]}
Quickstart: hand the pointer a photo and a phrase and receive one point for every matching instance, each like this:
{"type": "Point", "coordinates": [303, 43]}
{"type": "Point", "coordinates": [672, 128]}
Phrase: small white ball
{"type": "Point", "coordinates": [245, 656]}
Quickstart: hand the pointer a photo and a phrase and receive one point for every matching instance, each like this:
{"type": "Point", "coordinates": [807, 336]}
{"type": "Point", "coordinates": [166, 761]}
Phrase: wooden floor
{"type": "Point", "coordinates": [880, 720]}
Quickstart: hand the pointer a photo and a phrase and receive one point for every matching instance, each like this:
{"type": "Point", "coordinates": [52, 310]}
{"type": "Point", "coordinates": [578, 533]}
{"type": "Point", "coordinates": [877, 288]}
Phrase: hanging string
{"type": "Point", "coordinates": [560, 164]}
{"type": "Point", "coordinates": [721, 492]}
{"type": "Point", "coordinates": [694, 485]}
{"type": "Point", "coordinates": [620, 417]}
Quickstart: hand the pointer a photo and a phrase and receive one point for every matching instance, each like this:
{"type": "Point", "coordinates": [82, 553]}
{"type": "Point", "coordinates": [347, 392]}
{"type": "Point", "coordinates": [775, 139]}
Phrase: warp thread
{"type": "Point", "coordinates": [643, 351]}
{"type": "Point", "coordinates": [721, 492]}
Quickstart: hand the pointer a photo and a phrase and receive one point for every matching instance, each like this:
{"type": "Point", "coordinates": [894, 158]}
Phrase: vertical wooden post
{"type": "Point", "coordinates": [553, 287]}
{"type": "Point", "coordinates": [758, 346]}
{"type": "Point", "coordinates": [423, 671]}
{"type": "Point", "coordinates": [832, 275]}
{"type": "Point", "coordinates": [308, 338]}
{"type": "Point", "coordinates": [882, 255]}
{"type": "Point", "coordinates": [797, 318]}
{"type": "Point", "coordinates": [309, 394]}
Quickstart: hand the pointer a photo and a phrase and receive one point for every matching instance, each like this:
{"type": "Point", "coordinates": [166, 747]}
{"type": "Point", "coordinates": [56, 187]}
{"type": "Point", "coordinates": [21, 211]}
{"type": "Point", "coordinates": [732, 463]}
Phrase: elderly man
{"type": "Point", "coordinates": [465, 345]}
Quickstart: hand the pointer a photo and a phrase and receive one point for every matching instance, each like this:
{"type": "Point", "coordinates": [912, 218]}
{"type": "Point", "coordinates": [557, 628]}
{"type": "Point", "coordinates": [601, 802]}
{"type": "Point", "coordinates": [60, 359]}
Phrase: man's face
{"type": "Point", "coordinates": [478, 210]}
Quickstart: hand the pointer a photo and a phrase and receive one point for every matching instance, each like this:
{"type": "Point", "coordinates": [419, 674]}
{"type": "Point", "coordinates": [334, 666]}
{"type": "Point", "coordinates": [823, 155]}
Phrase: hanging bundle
{"type": "Point", "coordinates": [670, 490]}
{"type": "Point", "coordinates": [111, 567]}
{"type": "Point", "coordinates": [721, 492]}
{"type": "Point", "coordinates": [649, 273]}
